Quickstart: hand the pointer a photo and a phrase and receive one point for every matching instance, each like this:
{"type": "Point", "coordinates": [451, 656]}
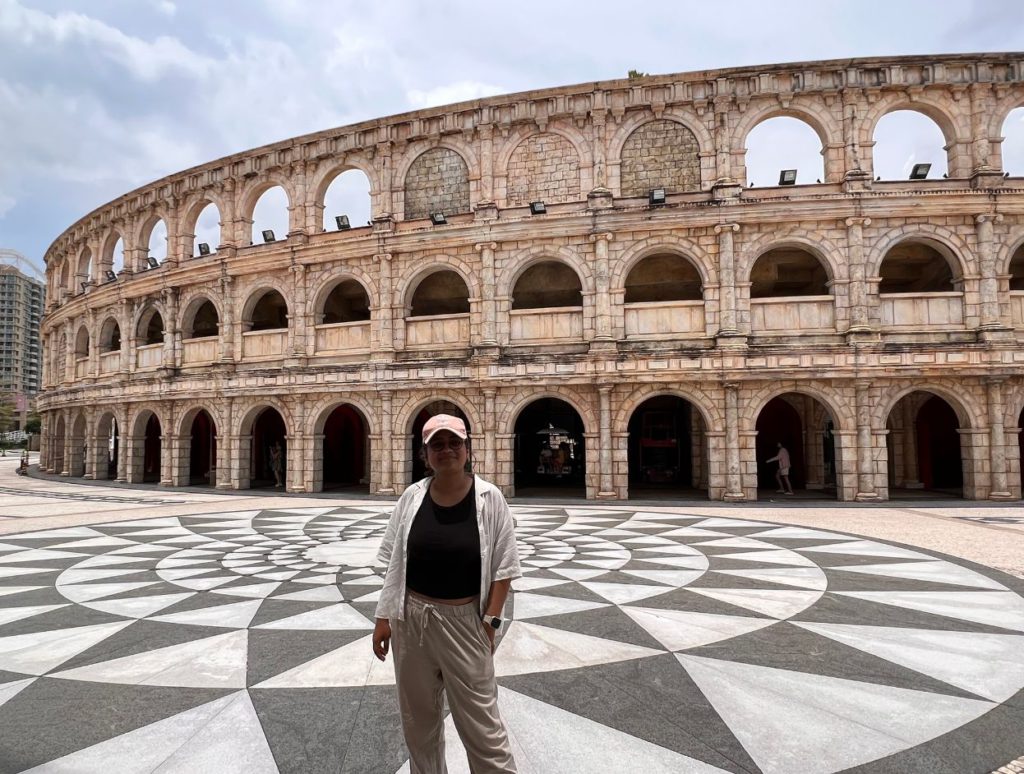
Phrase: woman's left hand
{"type": "Point", "coordinates": [489, 632]}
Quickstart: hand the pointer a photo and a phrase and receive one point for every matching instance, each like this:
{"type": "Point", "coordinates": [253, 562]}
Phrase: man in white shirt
{"type": "Point", "coordinates": [782, 474]}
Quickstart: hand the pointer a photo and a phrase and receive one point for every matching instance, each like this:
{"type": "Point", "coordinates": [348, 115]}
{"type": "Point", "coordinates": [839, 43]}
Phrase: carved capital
{"type": "Point", "coordinates": [481, 246]}
{"type": "Point", "coordinates": [858, 222]}
{"type": "Point", "coordinates": [988, 217]}
{"type": "Point", "coordinates": [606, 236]}
{"type": "Point", "coordinates": [722, 227]}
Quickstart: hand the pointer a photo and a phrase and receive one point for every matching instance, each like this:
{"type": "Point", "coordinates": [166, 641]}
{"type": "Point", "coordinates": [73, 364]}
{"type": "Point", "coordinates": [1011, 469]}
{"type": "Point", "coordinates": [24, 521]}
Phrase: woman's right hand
{"type": "Point", "coordinates": [381, 638]}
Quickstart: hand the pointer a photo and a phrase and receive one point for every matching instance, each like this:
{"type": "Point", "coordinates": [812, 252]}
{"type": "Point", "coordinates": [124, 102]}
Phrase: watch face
{"type": "Point", "coordinates": [495, 622]}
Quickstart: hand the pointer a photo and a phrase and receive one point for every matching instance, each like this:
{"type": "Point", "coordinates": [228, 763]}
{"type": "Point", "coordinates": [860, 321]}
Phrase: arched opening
{"type": "Point", "coordinates": [79, 450]}
{"type": "Point", "coordinates": [419, 466]}
{"type": "Point", "coordinates": [57, 455]}
{"type": "Point", "coordinates": [904, 138]}
{"type": "Point", "coordinates": [346, 450]}
{"type": "Point", "coordinates": [443, 292]}
{"type": "Point", "coordinates": [151, 451]}
{"type": "Point", "coordinates": [805, 428]}
{"type": "Point", "coordinates": [270, 214]}
{"type": "Point", "coordinates": [437, 181]}
{"type": "Point", "coordinates": [82, 343]}
{"type": "Point", "coordinates": [65, 276]}
{"type": "Point", "coordinates": [110, 336]}
{"type": "Point", "coordinates": [347, 302]}
{"type": "Point", "coordinates": [349, 195]}
{"type": "Point", "coordinates": [269, 452]}
{"type": "Point", "coordinates": [207, 230]}
{"type": "Point", "coordinates": [270, 312]}
{"type": "Point", "coordinates": [202, 456]}
{"type": "Point", "coordinates": [925, 453]}
{"type": "Point", "coordinates": [550, 450]}
{"type": "Point", "coordinates": [663, 277]}
{"type": "Point", "coordinates": [548, 284]}
{"type": "Point", "coordinates": [916, 267]}
{"type": "Point", "coordinates": [788, 271]}
{"type": "Point", "coordinates": [204, 323]}
{"type": "Point", "coordinates": [660, 154]}
{"type": "Point", "coordinates": [782, 143]}
{"type": "Point", "coordinates": [1016, 272]}
{"type": "Point", "coordinates": [1020, 443]}
{"type": "Point", "coordinates": [108, 442]}
{"type": "Point", "coordinates": [158, 242]}
{"type": "Point", "coordinates": [1012, 146]}
{"type": "Point", "coordinates": [151, 328]}
{"type": "Point", "coordinates": [117, 256]}
{"type": "Point", "coordinates": [84, 273]}
{"type": "Point", "coordinates": [667, 449]}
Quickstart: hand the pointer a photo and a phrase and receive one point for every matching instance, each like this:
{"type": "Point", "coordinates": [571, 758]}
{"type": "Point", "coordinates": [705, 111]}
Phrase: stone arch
{"type": "Point", "coordinates": [84, 270]}
{"type": "Point", "coordinates": [190, 301]}
{"type": "Point", "coordinates": [956, 250]}
{"type": "Point", "coordinates": [406, 415]}
{"type": "Point", "coordinates": [826, 251]}
{"type": "Point", "coordinates": [465, 150]}
{"type": "Point", "coordinates": [107, 245]}
{"type": "Point", "coordinates": [59, 442]}
{"type": "Point", "coordinates": [684, 248]}
{"type": "Point", "coordinates": [192, 325]}
{"type": "Point", "coordinates": [815, 114]}
{"type": "Point", "coordinates": [407, 285]}
{"type": "Point", "coordinates": [955, 128]}
{"type": "Point", "coordinates": [251, 192]}
{"type": "Point", "coordinates": [706, 407]}
{"type": "Point", "coordinates": [248, 414]}
{"type": "Point", "coordinates": [342, 433]}
{"type": "Point", "coordinates": [323, 293]}
{"type": "Point", "coordinates": [436, 181]}
{"type": "Point", "coordinates": [1004, 105]}
{"type": "Point", "coordinates": [191, 212]}
{"type": "Point", "coordinates": [438, 293]}
{"type": "Point", "coordinates": [322, 410]}
{"type": "Point", "coordinates": [634, 120]}
{"type": "Point", "coordinates": [106, 457]}
{"type": "Point", "coordinates": [78, 437]}
{"type": "Point", "coordinates": [257, 294]}
{"type": "Point", "coordinates": [968, 413]}
{"type": "Point", "coordinates": [842, 414]}
{"type": "Point", "coordinates": [517, 264]}
{"type": "Point", "coordinates": [188, 411]}
{"type": "Point", "coordinates": [146, 453]}
{"type": "Point", "coordinates": [110, 339]}
{"type": "Point", "coordinates": [1013, 406]}
{"type": "Point", "coordinates": [564, 156]}
{"type": "Point", "coordinates": [145, 322]}
{"type": "Point", "coordinates": [659, 153]}
{"type": "Point", "coordinates": [144, 229]}
{"type": "Point", "coordinates": [66, 277]}
{"type": "Point", "coordinates": [83, 340]}
{"type": "Point", "coordinates": [581, 403]}
{"type": "Point", "coordinates": [333, 168]}
{"type": "Point", "coordinates": [1013, 243]}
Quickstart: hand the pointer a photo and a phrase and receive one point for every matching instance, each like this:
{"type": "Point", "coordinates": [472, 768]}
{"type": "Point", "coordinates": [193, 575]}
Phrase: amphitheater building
{"type": "Point", "coordinates": [583, 274]}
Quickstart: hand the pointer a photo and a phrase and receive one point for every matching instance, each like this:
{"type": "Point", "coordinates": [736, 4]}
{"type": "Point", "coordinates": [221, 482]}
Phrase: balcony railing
{"type": "Point", "coordinates": [1017, 308]}
{"type": "Point", "coordinates": [263, 345]}
{"type": "Point", "coordinates": [662, 318]}
{"type": "Point", "coordinates": [544, 325]}
{"type": "Point", "coordinates": [149, 356]}
{"type": "Point", "coordinates": [792, 313]}
{"type": "Point", "coordinates": [437, 331]}
{"type": "Point", "coordinates": [110, 362]}
{"type": "Point", "coordinates": [199, 350]}
{"type": "Point", "coordinates": [922, 310]}
{"type": "Point", "coordinates": [343, 337]}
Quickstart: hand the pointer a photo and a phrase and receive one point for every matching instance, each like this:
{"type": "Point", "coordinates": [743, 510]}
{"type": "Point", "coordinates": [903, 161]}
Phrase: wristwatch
{"type": "Point", "coordinates": [493, 621]}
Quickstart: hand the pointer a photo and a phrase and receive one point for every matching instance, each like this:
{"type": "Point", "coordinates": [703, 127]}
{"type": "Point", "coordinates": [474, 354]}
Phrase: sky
{"type": "Point", "coordinates": [99, 97]}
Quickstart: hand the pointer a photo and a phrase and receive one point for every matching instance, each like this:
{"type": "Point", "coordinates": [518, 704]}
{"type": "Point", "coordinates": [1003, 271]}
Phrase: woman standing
{"type": "Point", "coordinates": [450, 548]}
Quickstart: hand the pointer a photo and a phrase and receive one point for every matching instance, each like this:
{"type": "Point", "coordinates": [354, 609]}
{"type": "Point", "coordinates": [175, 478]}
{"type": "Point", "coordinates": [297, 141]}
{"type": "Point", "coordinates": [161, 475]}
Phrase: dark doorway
{"type": "Point", "coordinates": [345, 442]}
{"type": "Point", "coordinates": [202, 463]}
{"type": "Point", "coordinates": [938, 447]}
{"type": "Point", "coordinates": [151, 452]}
{"type": "Point", "coordinates": [661, 448]}
{"type": "Point", "coordinates": [1020, 442]}
{"type": "Point", "coordinates": [777, 423]}
{"type": "Point", "coordinates": [268, 433]}
{"type": "Point", "coordinates": [419, 467]}
{"type": "Point", "coordinates": [550, 450]}
{"type": "Point", "coordinates": [111, 440]}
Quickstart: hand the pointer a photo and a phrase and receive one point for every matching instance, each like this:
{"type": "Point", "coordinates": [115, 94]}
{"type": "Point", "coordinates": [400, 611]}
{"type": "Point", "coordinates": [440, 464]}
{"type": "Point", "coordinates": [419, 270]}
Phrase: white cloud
{"type": "Point", "coordinates": [166, 7]}
{"type": "Point", "coordinates": [461, 91]}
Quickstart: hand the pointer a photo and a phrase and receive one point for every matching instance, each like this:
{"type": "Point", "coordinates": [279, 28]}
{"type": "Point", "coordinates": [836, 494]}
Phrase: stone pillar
{"type": "Point", "coordinates": [67, 461]}
{"type": "Point", "coordinates": [297, 326]}
{"type": "Point", "coordinates": [603, 321]}
{"type": "Point", "coordinates": [167, 441]}
{"type": "Point", "coordinates": [488, 302]}
{"type": "Point", "coordinates": [910, 469]}
{"type": "Point", "coordinates": [600, 149]}
{"type": "Point", "coordinates": [859, 320]}
{"type": "Point", "coordinates": [179, 448]}
{"type": "Point", "coordinates": [94, 345]}
{"type": "Point", "coordinates": [990, 318]}
{"type": "Point", "coordinates": [225, 458]}
{"type": "Point", "coordinates": [728, 325]}
{"type": "Point", "coordinates": [385, 348]}
{"type": "Point", "coordinates": [606, 488]}
{"type": "Point", "coordinates": [997, 441]}
{"type": "Point", "coordinates": [129, 341]}
{"type": "Point", "coordinates": [172, 347]}
{"type": "Point", "coordinates": [485, 133]}
{"type": "Point", "coordinates": [387, 449]}
{"type": "Point", "coordinates": [865, 444]}
{"type": "Point", "coordinates": [733, 471]}
{"type": "Point", "coordinates": [814, 458]}
{"type": "Point", "coordinates": [723, 148]}
{"type": "Point", "coordinates": [69, 355]}
{"type": "Point", "coordinates": [490, 441]}
{"type": "Point", "coordinates": [982, 106]}
{"type": "Point", "coordinates": [92, 456]}
{"type": "Point", "coordinates": [226, 325]}
{"type": "Point", "coordinates": [123, 436]}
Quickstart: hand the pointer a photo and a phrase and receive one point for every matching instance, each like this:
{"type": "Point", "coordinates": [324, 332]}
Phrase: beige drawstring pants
{"type": "Point", "coordinates": [442, 650]}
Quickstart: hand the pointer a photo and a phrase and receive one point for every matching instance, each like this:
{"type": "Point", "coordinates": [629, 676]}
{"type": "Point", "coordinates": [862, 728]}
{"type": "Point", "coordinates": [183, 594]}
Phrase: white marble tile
{"type": "Point", "coordinates": [39, 652]}
{"type": "Point", "coordinates": [995, 608]}
{"type": "Point", "coordinates": [804, 577]}
{"type": "Point", "coordinates": [934, 572]}
{"type": "Point", "coordinates": [332, 617]}
{"type": "Point", "coordinates": [777, 603]}
{"type": "Point", "coordinates": [12, 614]}
{"type": "Point", "coordinates": [621, 593]}
{"type": "Point", "coordinates": [236, 615]}
{"type": "Point", "coordinates": [528, 648]}
{"type": "Point", "coordinates": [679, 629]}
{"type": "Point", "coordinates": [139, 607]}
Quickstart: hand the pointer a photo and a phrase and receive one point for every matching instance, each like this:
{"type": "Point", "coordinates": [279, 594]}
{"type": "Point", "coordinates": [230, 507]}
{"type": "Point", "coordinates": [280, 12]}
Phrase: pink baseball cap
{"type": "Point", "coordinates": [447, 422]}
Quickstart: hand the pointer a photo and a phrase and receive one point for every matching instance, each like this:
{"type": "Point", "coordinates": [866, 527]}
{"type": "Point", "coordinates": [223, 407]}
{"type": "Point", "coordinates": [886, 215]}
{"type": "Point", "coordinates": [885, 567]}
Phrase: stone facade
{"type": "Point", "coordinates": [822, 350]}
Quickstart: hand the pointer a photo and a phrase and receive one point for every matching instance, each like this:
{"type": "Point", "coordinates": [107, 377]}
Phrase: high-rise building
{"type": "Point", "coordinates": [21, 308]}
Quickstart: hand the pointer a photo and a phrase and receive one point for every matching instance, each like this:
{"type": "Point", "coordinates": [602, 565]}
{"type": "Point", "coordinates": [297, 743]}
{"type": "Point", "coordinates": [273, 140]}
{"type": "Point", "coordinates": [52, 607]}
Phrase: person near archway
{"type": "Point", "coordinates": [277, 463]}
{"type": "Point", "coordinates": [451, 556]}
{"type": "Point", "coordinates": [782, 472]}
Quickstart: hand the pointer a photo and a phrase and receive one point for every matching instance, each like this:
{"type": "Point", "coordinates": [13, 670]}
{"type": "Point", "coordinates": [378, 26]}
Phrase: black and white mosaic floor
{"type": "Point", "coordinates": [653, 642]}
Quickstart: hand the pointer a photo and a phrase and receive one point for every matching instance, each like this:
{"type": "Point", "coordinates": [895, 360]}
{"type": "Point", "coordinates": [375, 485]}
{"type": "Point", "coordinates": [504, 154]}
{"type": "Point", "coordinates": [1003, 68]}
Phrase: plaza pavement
{"type": "Point", "coordinates": [146, 629]}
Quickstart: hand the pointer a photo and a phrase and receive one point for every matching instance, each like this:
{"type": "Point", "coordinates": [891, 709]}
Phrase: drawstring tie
{"type": "Point", "coordinates": [428, 612]}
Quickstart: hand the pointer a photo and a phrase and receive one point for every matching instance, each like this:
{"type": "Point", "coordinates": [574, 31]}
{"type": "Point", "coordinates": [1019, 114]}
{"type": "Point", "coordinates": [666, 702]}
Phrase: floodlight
{"type": "Point", "coordinates": [83, 286]}
{"type": "Point", "coordinates": [538, 208]}
{"type": "Point", "coordinates": [342, 222]}
{"type": "Point", "coordinates": [656, 197]}
{"type": "Point", "coordinates": [111, 277]}
{"type": "Point", "coordinates": [787, 177]}
{"type": "Point", "coordinates": [920, 171]}
{"type": "Point", "coordinates": [268, 235]}
{"type": "Point", "coordinates": [438, 219]}
{"type": "Point", "coordinates": [153, 262]}
{"type": "Point", "coordinates": [204, 248]}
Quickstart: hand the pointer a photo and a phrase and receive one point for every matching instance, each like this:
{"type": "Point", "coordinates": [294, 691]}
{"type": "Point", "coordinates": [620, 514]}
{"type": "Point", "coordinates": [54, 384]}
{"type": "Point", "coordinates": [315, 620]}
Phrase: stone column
{"type": "Point", "coordinates": [167, 445]}
{"type": "Point", "coordinates": [129, 341]}
{"type": "Point", "coordinates": [176, 251]}
{"type": "Point", "coordinates": [297, 327]}
{"type": "Point", "coordinates": [226, 457]}
{"type": "Point", "coordinates": [723, 158]}
{"type": "Point", "coordinates": [490, 441]}
{"type": "Point", "coordinates": [814, 458]}
{"type": "Point", "coordinates": [486, 144]}
{"type": "Point", "coordinates": [910, 469]}
{"type": "Point", "coordinates": [488, 304]}
{"type": "Point", "coordinates": [859, 320]}
{"type": "Point", "coordinates": [386, 443]}
{"type": "Point", "coordinates": [178, 450]}
{"type": "Point", "coordinates": [728, 325]}
{"type": "Point", "coordinates": [226, 325]}
{"type": "Point", "coordinates": [997, 440]}
{"type": "Point", "coordinates": [733, 471]}
{"type": "Point", "coordinates": [94, 345]}
{"type": "Point", "coordinates": [171, 345]}
{"type": "Point", "coordinates": [990, 318]}
{"type": "Point", "coordinates": [123, 436]}
{"type": "Point", "coordinates": [603, 321]}
{"type": "Point", "coordinates": [600, 148]}
{"type": "Point", "coordinates": [92, 456]}
{"type": "Point", "coordinates": [606, 488]}
{"type": "Point", "coordinates": [865, 446]}
{"type": "Point", "coordinates": [385, 348]}
{"type": "Point", "coordinates": [68, 461]}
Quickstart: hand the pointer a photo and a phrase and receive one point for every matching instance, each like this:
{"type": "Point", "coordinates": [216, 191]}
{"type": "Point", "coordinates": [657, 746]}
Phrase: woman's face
{"type": "Point", "coordinates": [446, 452]}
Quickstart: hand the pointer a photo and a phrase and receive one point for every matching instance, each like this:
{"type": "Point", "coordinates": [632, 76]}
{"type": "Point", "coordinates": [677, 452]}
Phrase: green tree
{"type": "Point", "coordinates": [633, 74]}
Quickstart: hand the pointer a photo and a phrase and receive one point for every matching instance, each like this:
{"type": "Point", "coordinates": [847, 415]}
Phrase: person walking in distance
{"type": "Point", "coordinates": [782, 473]}
{"type": "Point", "coordinates": [451, 556]}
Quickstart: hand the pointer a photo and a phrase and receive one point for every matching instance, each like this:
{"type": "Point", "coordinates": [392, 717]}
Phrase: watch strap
{"type": "Point", "coordinates": [493, 621]}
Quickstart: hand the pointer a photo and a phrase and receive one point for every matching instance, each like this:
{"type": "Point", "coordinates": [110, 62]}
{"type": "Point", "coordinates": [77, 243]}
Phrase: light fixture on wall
{"type": "Point", "coordinates": [920, 171]}
{"type": "Point", "coordinates": [153, 262]}
{"type": "Point", "coordinates": [787, 177]}
{"type": "Point", "coordinates": [656, 197]}
{"type": "Point", "coordinates": [438, 219]}
{"type": "Point", "coordinates": [204, 248]}
{"type": "Point", "coordinates": [111, 277]}
{"type": "Point", "coordinates": [538, 208]}
{"type": "Point", "coordinates": [84, 286]}
{"type": "Point", "coordinates": [342, 222]}
{"type": "Point", "coordinates": [268, 235]}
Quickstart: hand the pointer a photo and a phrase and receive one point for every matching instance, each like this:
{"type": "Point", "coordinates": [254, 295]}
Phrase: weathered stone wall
{"type": "Point", "coordinates": [660, 154]}
{"type": "Point", "coordinates": [438, 181]}
{"type": "Point", "coordinates": [543, 168]}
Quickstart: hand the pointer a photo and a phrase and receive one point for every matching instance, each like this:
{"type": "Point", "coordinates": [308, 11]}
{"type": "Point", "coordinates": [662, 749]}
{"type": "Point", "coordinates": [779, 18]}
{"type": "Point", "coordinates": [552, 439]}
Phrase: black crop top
{"type": "Point", "coordinates": [444, 549]}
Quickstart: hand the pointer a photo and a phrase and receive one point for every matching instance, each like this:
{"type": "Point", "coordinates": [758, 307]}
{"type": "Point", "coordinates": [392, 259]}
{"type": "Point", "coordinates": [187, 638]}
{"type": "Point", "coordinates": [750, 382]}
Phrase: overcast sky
{"type": "Point", "coordinates": [99, 97]}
